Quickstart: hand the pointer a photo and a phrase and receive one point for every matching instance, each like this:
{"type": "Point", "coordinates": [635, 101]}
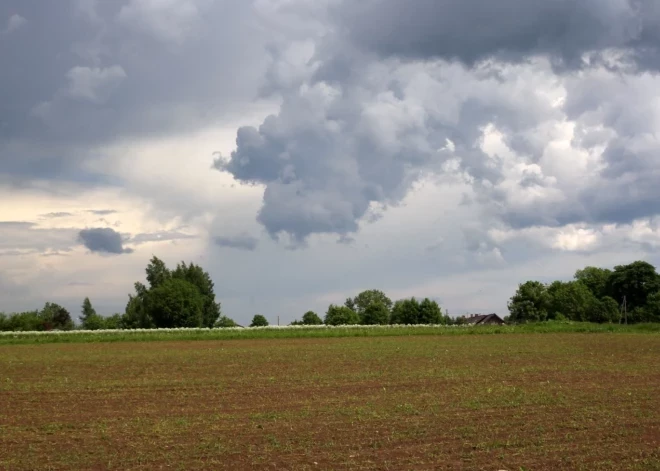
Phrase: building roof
{"type": "Point", "coordinates": [476, 319]}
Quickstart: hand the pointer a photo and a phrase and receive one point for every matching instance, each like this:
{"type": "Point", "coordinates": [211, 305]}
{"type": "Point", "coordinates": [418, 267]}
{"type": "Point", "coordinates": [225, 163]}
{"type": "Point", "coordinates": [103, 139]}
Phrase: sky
{"type": "Point", "coordinates": [302, 151]}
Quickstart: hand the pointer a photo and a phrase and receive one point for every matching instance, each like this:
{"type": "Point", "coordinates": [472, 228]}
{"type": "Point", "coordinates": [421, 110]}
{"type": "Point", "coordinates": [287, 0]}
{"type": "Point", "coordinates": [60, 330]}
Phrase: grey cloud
{"type": "Point", "coordinates": [333, 152]}
{"type": "Point", "coordinates": [240, 242]}
{"type": "Point", "coordinates": [9, 225]}
{"type": "Point", "coordinates": [509, 30]}
{"type": "Point", "coordinates": [103, 71]}
{"type": "Point", "coordinates": [101, 212]}
{"type": "Point", "coordinates": [25, 236]}
{"type": "Point", "coordinates": [103, 240]}
{"type": "Point", "coordinates": [59, 214]}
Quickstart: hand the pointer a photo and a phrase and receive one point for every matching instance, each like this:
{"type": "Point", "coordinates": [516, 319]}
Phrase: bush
{"type": "Point", "coordinates": [341, 315]}
{"type": "Point", "coordinates": [259, 321]}
{"type": "Point", "coordinates": [311, 318]}
{"type": "Point", "coordinates": [94, 322]}
{"type": "Point", "coordinates": [224, 321]}
{"type": "Point", "coordinates": [115, 321]}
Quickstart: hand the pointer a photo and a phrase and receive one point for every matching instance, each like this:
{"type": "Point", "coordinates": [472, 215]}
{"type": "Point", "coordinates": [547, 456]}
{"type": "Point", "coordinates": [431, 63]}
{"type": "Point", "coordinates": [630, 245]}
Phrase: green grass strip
{"type": "Point", "coordinates": [287, 332]}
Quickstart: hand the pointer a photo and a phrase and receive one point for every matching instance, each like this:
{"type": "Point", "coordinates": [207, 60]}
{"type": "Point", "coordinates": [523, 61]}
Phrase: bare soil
{"type": "Point", "coordinates": [538, 401]}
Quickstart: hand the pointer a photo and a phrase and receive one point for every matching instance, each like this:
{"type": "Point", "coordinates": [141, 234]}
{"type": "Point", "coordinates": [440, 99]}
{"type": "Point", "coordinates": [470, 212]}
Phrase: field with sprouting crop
{"type": "Point", "coordinates": [508, 401]}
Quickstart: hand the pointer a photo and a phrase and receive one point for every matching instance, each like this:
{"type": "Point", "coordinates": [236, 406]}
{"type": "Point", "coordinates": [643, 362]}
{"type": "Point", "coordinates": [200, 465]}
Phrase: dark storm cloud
{"type": "Point", "coordinates": [334, 151]}
{"type": "Point", "coordinates": [353, 130]}
{"type": "Point", "coordinates": [101, 71]}
{"type": "Point", "coordinates": [103, 240]}
{"type": "Point", "coordinates": [510, 30]}
{"type": "Point", "coordinates": [240, 242]}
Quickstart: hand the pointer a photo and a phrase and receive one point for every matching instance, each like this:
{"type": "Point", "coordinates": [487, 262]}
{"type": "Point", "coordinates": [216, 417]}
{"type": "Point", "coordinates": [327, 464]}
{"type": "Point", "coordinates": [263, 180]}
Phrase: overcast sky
{"type": "Point", "coordinates": [304, 150]}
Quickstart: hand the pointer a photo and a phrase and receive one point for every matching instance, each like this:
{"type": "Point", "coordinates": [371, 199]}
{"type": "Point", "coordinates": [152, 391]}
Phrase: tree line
{"type": "Point", "coordinates": [185, 297]}
{"type": "Point", "coordinates": [629, 293]}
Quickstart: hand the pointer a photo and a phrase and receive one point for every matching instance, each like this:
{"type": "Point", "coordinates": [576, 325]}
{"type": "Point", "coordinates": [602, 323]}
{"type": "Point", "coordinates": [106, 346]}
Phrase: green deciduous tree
{"type": "Point", "coordinates": [605, 310]}
{"type": "Point", "coordinates": [56, 317]}
{"type": "Point", "coordinates": [636, 281]}
{"type": "Point", "coordinates": [572, 299]}
{"type": "Point", "coordinates": [146, 309]}
{"type": "Point", "coordinates": [94, 322]}
{"type": "Point", "coordinates": [157, 272]}
{"type": "Point", "coordinates": [202, 280]}
{"type": "Point", "coordinates": [529, 303]}
{"type": "Point", "coordinates": [24, 321]}
{"type": "Point", "coordinates": [405, 311]}
{"type": "Point", "coordinates": [311, 318]}
{"type": "Point", "coordinates": [114, 322]}
{"type": "Point", "coordinates": [175, 303]}
{"type": "Point", "coordinates": [360, 302]}
{"type": "Point", "coordinates": [594, 278]}
{"type": "Point", "coordinates": [136, 315]}
{"type": "Point", "coordinates": [259, 321]}
{"type": "Point", "coordinates": [341, 315]}
{"type": "Point", "coordinates": [430, 312]}
{"type": "Point", "coordinates": [376, 313]}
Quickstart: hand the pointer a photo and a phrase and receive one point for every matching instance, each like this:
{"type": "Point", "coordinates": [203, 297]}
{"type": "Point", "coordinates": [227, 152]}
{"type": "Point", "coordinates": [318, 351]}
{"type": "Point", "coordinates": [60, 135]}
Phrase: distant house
{"type": "Point", "coordinates": [484, 319]}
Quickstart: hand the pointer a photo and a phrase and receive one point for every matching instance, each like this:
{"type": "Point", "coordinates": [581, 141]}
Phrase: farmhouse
{"type": "Point", "coordinates": [484, 319]}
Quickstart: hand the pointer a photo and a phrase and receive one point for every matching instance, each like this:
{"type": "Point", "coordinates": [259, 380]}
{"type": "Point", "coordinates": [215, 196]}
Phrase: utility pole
{"type": "Point", "coordinates": [278, 320]}
{"type": "Point", "coordinates": [625, 312]}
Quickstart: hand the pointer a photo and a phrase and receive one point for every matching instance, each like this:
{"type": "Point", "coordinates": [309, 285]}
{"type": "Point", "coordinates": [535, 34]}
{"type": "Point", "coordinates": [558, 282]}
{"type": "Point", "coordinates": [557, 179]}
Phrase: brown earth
{"type": "Point", "coordinates": [537, 401]}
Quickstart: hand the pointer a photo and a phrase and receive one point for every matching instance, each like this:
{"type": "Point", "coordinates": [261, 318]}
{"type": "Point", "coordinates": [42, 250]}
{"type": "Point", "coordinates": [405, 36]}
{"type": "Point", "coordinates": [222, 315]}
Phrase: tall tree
{"type": "Point", "coordinates": [176, 303]}
{"type": "Point", "coordinates": [406, 311]}
{"type": "Point", "coordinates": [572, 300]}
{"type": "Point", "coordinates": [185, 288]}
{"type": "Point", "coordinates": [529, 303]}
{"type": "Point", "coordinates": [157, 272]}
{"type": "Point", "coordinates": [430, 312]}
{"type": "Point", "coordinates": [56, 317]}
{"type": "Point", "coordinates": [87, 310]}
{"type": "Point", "coordinates": [595, 279]}
{"type": "Point", "coordinates": [195, 275]}
{"type": "Point", "coordinates": [376, 313]}
{"type": "Point", "coordinates": [636, 281]}
{"type": "Point", "coordinates": [360, 302]}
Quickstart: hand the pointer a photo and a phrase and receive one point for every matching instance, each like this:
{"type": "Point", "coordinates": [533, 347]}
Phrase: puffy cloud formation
{"type": "Point", "coordinates": [467, 141]}
{"type": "Point", "coordinates": [545, 109]}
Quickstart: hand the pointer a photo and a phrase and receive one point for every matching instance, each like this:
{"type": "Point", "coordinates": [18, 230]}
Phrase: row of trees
{"type": "Point", "coordinates": [185, 297]}
{"type": "Point", "coordinates": [373, 307]}
{"type": "Point", "coordinates": [182, 297]}
{"type": "Point", "coordinates": [51, 317]}
{"type": "Point", "coordinates": [629, 293]}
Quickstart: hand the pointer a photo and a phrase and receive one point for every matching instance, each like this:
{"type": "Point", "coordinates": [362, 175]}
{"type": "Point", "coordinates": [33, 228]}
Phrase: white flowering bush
{"type": "Point", "coordinates": [228, 329]}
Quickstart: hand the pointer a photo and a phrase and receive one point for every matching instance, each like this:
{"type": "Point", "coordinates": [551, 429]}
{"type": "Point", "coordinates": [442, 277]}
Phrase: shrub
{"type": "Point", "coordinates": [341, 315]}
{"type": "Point", "coordinates": [259, 321]}
{"type": "Point", "coordinates": [311, 318]}
{"type": "Point", "coordinates": [224, 321]}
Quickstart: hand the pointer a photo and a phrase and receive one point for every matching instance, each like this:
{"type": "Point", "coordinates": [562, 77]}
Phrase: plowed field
{"type": "Point", "coordinates": [532, 402]}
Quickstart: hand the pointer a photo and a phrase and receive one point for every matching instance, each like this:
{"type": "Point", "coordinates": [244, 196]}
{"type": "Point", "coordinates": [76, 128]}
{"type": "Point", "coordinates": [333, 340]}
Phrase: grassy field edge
{"type": "Point", "coordinates": [83, 336]}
